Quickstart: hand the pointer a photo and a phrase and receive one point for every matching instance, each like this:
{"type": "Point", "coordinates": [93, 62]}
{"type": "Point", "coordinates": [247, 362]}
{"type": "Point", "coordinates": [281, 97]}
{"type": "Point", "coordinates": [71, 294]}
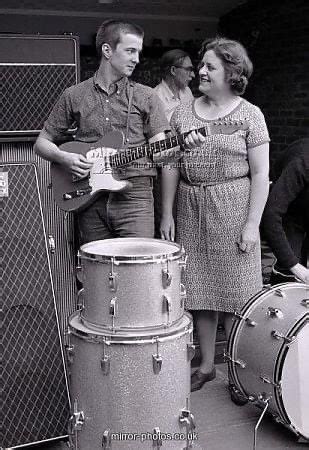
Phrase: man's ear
{"type": "Point", "coordinates": [106, 50]}
{"type": "Point", "coordinates": [172, 70]}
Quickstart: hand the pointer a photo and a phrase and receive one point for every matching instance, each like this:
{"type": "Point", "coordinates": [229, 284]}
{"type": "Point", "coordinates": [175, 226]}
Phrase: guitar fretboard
{"type": "Point", "coordinates": [123, 157]}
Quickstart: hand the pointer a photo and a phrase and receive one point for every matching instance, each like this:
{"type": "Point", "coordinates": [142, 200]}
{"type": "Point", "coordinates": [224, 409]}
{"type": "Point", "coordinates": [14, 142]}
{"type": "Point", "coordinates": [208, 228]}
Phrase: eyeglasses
{"type": "Point", "coordinates": [187, 69]}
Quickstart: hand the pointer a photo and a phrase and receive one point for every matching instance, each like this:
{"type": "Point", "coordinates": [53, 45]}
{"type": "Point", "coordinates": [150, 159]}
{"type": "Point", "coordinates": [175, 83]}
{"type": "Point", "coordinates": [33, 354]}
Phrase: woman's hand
{"type": "Point", "coordinates": [167, 227]}
{"type": "Point", "coordinates": [248, 238]}
{"type": "Point", "coordinates": [301, 272]}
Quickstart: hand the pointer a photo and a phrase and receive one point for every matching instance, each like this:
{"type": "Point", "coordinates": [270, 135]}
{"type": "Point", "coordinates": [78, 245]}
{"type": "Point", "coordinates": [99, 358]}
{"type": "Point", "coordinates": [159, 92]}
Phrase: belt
{"type": "Point", "coordinates": [202, 187]}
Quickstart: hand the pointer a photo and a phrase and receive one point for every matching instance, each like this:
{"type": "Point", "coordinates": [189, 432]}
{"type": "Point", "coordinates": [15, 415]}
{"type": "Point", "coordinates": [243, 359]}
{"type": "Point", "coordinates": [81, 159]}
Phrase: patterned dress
{"type": "Point", "coordinates": [212, 207]}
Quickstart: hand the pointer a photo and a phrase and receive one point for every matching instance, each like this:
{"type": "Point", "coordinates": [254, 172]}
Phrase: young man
{"type": "Point", "coordinates": [97, 107]}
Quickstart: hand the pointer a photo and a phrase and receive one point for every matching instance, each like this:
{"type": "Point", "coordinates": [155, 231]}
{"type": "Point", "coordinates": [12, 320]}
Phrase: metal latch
{"type": "Point", "coordinates": [107, 440]}
{"type": "Point", "coordinates": [157, 360]}
{"type": "Point", "coordinates": [275, 312]}
{"type": "Point", "coordinates": [249, 322]}
{"type": "Point", "coordinates": [113, 307]}
{"type": "Point", "coordinates": [238, 362]}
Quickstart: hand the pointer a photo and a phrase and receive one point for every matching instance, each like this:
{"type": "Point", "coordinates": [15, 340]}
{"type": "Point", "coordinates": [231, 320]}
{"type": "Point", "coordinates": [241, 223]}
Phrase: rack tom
{"type": "Point", "coordinates": [132, 283]}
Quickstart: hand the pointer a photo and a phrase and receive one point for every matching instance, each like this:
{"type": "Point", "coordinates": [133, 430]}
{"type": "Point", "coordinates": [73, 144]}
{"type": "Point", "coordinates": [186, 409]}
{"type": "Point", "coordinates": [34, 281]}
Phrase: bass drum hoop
{"type": "Point", "coordinates": [85, 254]}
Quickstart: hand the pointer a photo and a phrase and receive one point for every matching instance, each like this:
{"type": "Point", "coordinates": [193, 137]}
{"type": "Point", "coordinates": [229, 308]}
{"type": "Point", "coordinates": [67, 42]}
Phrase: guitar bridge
{"type": "Point", "coordinates": [76, 194]}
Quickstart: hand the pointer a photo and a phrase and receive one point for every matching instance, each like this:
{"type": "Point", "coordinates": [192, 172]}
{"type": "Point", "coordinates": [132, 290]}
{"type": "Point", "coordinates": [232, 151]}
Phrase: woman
{"type": "Point", "coordinates": [223, 187]}
{"type": "Point", "coordinates": [286, 215]}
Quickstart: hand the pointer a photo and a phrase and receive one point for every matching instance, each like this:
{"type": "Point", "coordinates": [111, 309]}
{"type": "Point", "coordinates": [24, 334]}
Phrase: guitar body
{"type": "Point", "coordinates": [86, 190]}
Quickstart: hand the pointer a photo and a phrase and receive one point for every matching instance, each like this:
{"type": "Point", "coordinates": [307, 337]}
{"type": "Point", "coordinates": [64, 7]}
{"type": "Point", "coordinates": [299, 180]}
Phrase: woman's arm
{"type": "Point", "coordinates": [169, 183]}
{"type": "Point", "coordinates": [258, 158]}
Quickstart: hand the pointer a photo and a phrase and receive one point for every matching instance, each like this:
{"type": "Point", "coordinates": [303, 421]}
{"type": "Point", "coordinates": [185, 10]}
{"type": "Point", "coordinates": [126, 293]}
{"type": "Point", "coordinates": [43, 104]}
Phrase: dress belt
{"type": "Point", "coordinates": [202, 186]}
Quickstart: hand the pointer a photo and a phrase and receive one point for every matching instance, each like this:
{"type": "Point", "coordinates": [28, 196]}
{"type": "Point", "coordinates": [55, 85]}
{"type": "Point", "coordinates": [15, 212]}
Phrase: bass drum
{"type": "Point", "coordinates": [268, 353]}
{"type": "Point", "coordinates": [132, 283]}
{"type": "Point", "coordinates": [130, 391]}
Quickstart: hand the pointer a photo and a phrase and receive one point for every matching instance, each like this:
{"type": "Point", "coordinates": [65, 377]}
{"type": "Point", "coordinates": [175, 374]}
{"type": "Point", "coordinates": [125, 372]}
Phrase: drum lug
{"type": "Point", "coordinates": [279, 293]}
{"type": "Point", "coordinates": [305, 302]}
{"type": "Point", "coordinates": [167, 304]}
{"type": "Point", "coordinates": [51, 244]}
{"type": "Point", "coordinates": [107, 440]}
{"type": "Point", "coordinates": [191, 351]}
{"type": "Point", "coordinates": [80, 299]}
{"type": "Point", "coordinates": [183, 261]}
{"type": "Point", "coordinates": [157, 363]}
{"type": "Point", "coordinates": [76, 420]}
{"type": "Point", "coordinates": [238, 362]}
{"type": "Point", "coordinates": [113, 307]}
{"type": "Point", "coordinates": [157, 360]}
{"type": "Point", "coordinates": [112, 279]}
{"type": "Point", "coordinates": [112, 282]}
{"type": "Point", "coordinates": [187, 418]}
{"type": "Point", "coordinates": [70, 353]}
{"type": "Point", "coordinates": [275, 312]}
{"type": "Point", "coordinates": [166, 278]}
{"type": "Point", "coordinates": [277, 335]}
{"type": "Point", "coordinates": [105, 364]}
{"type": "Point", "coordinates": [157, 443]}
{"type": "Point", "coordinates": [79, 273]}
{"type": "Point", "coordinates": [249, 322]}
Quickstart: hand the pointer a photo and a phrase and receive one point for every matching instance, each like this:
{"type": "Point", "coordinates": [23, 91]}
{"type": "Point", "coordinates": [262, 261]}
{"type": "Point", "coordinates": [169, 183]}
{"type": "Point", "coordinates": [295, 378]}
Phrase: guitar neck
{"type": "Point", "coordinates": [133, 153]}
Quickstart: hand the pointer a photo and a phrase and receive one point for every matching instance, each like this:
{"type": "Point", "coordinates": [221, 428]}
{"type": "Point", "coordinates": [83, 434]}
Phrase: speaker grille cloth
{"type": "Point", "coordinates": [29, 93]}
{"type": "Point", "coordinates": [35, 394]}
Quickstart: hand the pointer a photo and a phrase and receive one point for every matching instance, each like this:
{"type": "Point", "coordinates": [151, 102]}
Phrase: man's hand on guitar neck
{"type": "Point", "coordinates": [194, 139]}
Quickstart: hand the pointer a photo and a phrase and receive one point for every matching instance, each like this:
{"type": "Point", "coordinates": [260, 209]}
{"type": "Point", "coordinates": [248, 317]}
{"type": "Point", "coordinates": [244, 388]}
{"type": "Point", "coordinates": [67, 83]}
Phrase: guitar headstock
{"type": "Point", "coordinates": [228, 126]}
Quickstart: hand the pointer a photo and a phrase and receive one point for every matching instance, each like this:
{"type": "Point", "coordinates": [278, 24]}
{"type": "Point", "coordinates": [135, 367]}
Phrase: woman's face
{"type": "Point", "coordinates": [212, 74]}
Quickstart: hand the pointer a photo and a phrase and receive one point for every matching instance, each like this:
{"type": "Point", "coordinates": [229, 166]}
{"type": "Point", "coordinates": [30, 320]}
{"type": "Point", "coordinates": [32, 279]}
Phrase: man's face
{"type": "Point", "coordinates": [126, 54]}
{"type": "Point", "coordinates": [183, 73]}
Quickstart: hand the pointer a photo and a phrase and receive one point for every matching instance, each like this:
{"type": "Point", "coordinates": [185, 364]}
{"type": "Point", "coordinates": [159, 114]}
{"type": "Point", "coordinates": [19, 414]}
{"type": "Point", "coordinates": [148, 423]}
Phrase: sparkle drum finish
{"type": "Point", "coordinates": [125, 385]}
{"type": "Point", "coordinates": [268, 353]}
{"type": "Point", "coordinates": [132, 283]}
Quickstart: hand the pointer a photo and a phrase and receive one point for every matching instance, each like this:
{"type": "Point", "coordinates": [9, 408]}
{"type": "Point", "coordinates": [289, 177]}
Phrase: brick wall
{"type": "Point", "coordinates": [276, 34]}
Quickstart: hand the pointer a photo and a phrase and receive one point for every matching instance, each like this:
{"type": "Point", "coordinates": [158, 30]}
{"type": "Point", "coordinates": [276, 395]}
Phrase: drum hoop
{"type": "Point", "coordinates": [109, 338]}
{"type": "Point", "coordinates": [96, 326]}
{"type": "Point", "coordinates": [83, 254]}
{"type": "Point", "coordinates": [279, 366]}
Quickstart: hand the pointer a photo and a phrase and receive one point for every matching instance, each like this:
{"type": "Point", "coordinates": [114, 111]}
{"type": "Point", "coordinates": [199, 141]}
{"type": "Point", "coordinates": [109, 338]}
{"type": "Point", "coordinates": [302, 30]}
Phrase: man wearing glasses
{"type": "Point", "coordinates": [177, 72]}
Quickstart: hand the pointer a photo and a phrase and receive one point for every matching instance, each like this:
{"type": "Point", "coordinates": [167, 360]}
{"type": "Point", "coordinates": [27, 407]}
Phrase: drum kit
{"type": "Point", "coordinates": [130, 348]}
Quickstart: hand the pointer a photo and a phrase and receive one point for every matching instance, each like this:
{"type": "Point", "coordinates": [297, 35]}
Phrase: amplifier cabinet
{"type": "Point", "coordinates": [35, 395]}
{"type": "Point", "coordinates": [34, 71]}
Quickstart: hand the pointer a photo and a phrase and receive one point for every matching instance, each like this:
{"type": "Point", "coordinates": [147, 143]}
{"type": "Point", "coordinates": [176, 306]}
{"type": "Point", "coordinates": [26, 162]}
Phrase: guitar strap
{"type": "Point", "coordinates": [131, 89]}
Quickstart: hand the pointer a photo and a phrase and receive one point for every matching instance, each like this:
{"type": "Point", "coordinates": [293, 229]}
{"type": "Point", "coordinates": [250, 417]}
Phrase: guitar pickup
{"type": "Point", "coordinates": [77, 193]}
{"type": "Point", "coordinates": [76, 179]}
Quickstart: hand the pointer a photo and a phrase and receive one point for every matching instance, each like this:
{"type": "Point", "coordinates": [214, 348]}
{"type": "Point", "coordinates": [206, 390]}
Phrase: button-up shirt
{"type": "Point", "coordinates": [169, 100]}
{"type": "Point", "coordinates": [96, 112]}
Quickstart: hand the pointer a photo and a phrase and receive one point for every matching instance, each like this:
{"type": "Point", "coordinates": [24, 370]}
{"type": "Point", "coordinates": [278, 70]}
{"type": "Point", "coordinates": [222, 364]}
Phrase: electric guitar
{"type": "Point", "coordinates": [74, 194]}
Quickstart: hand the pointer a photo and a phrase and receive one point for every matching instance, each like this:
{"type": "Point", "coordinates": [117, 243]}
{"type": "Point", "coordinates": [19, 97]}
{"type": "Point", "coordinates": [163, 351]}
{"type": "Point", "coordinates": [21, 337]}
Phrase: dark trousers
{"type": "Point", "coordinates": [121, 214]}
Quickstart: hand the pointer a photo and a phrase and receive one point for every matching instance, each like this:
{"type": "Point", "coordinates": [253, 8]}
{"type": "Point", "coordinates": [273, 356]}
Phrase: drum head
{"type": "Point", "coordinates": [131, 248]}
{"type": "Point", "coordinates": [295, 382]}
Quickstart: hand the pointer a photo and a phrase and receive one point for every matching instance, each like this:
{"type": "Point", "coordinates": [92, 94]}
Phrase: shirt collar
{"type": "Point", "coordinates": [119, 85]}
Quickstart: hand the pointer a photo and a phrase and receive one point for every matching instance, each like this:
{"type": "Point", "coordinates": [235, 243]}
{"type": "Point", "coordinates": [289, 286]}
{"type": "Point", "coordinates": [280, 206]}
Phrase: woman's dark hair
{"type": "Point", "coordinates": [237, 64]}
{"type": "Point", "coordinates": [110, 33]}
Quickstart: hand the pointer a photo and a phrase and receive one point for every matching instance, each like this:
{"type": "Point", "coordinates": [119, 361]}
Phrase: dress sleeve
{"type": "Point", "coordinates": [289, 185]}
{"type": "Point", "coordinates": [258, 132]}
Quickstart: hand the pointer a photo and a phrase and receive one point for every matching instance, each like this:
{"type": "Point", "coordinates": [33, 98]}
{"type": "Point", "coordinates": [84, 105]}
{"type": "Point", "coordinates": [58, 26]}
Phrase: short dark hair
{"type": "Point", "coordinates": [110, 32]}
{"type": "Point", "coordinates": [237, 64]}
{"type": "Point", "coordinates": [172, 58]}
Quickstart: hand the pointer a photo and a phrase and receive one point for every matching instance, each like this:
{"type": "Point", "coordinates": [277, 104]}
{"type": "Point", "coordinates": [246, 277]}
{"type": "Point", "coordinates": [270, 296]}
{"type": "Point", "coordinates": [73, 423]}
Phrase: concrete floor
{"type": "Point", "coordinates": [221, 425]}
